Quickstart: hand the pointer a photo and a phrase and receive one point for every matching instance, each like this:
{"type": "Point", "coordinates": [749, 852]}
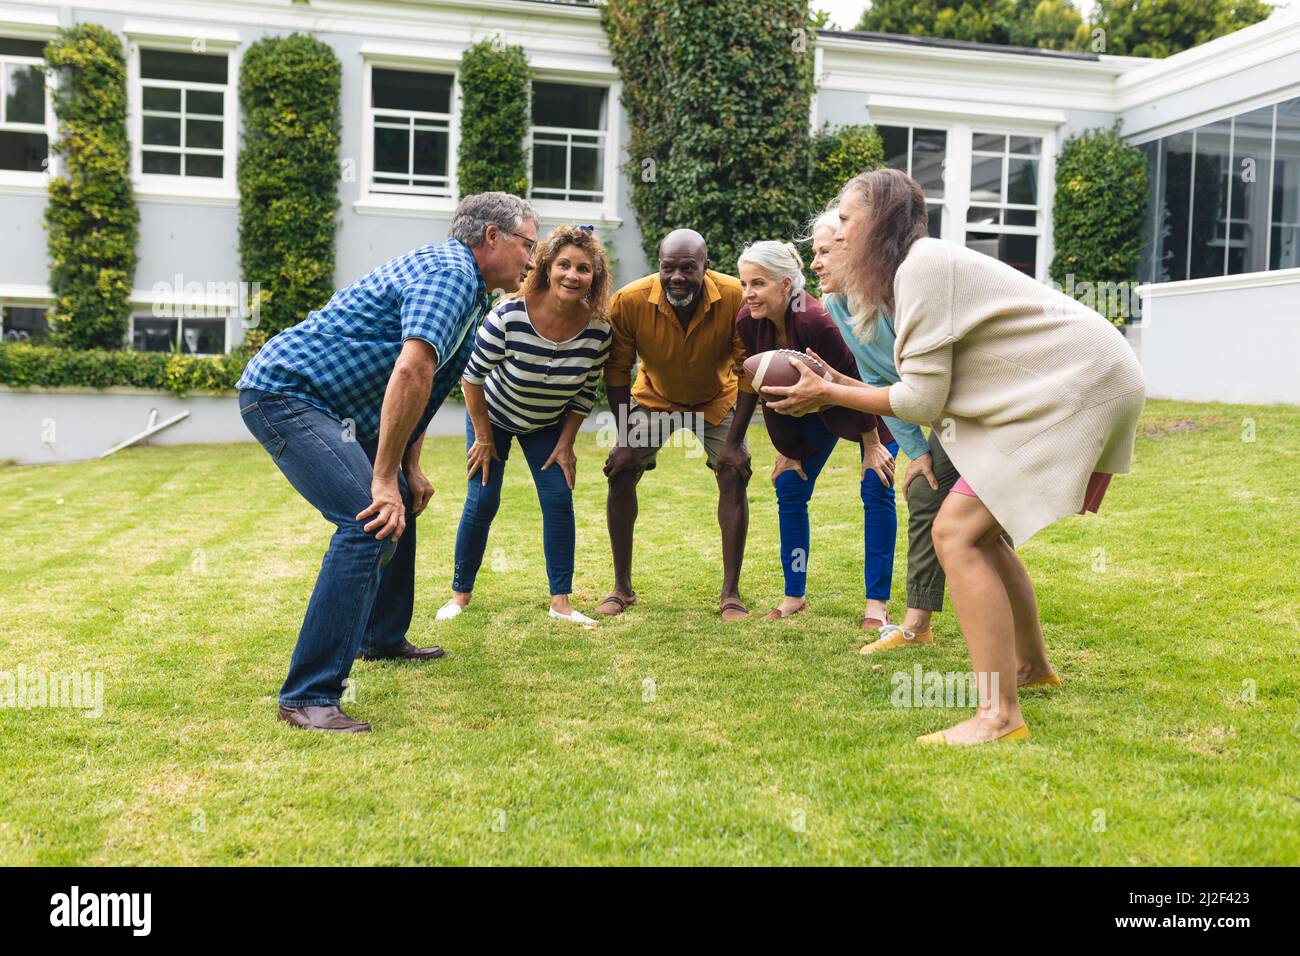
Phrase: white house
{"type": "Point", "coordinates": [979, 126]}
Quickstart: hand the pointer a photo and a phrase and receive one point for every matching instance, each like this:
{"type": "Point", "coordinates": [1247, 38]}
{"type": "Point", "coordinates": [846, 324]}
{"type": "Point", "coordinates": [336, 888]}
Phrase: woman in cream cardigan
{"type": "Point", "coordinates": [1037, 398]}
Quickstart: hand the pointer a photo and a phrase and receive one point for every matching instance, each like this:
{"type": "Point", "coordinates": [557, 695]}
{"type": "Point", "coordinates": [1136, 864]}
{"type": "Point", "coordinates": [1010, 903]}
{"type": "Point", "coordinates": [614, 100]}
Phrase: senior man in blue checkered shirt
{"type": "Point", "coordinates": [341, 402]}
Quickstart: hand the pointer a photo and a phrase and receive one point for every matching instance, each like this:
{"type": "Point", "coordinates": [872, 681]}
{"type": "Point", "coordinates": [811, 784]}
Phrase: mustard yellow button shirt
{"type": "Point", "coordinates": [681, 370]}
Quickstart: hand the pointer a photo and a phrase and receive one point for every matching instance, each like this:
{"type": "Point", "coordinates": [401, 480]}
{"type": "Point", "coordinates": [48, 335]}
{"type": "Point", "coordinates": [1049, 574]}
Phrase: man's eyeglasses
{"type": "Point", "coordinates": [531, 242]}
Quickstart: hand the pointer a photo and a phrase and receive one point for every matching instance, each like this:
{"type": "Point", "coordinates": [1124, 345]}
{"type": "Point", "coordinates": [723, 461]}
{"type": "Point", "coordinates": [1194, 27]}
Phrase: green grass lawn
{"type": "Point", "coordinates": [181, 574]}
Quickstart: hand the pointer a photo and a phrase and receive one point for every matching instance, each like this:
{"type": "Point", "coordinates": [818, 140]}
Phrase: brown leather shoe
{"type": "Point", "coordinates": [322, 718]}
{"type": "Point", "coordinates": [409, 652]}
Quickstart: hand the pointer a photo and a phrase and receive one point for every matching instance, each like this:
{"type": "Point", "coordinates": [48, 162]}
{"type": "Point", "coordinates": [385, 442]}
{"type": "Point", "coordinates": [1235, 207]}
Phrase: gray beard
{"type": "Point", "coordinates": [679, 303]}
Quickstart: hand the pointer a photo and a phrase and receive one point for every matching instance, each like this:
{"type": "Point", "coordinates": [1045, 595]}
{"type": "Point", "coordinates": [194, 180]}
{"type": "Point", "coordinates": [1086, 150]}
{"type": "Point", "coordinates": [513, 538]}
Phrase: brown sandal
{"type": "Point", "coordinates": [776, 615]}
{"type": "Point", "coordinates": [733, 605]}
{"type": "Point", "coordinates": [620, 602]}
{"type": "Point", "coordinates": [875, 623]}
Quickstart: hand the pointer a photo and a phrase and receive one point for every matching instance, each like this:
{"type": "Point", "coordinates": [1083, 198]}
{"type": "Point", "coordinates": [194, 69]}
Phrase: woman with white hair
{"type": "Point", "coordinates": [779, 314]}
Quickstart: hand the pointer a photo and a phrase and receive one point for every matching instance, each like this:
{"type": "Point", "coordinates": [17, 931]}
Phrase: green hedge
{"type": "Point", "coordinates": [91, 216]}
{"type": "Point", "coordinates": [494, 88]}
{"type": "Point", "coordinates": [288, 175]}
{"type": "Point", "coordinates": [718, 94]}
{"type": "Point", "coordinates": [1099, 219]}
{"type": "Point", "coordinates": [23, 366]}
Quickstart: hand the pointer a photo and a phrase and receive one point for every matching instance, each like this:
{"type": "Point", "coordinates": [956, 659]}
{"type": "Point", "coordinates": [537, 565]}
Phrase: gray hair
{"type": "Point", "coordinates": [830, 219]}
{"type": "Point", "coordinates": [780, 260]}
{"type": "Point", "coordinates": [862, 324]}
{"type": "Point", "coordinates": [475, 213]}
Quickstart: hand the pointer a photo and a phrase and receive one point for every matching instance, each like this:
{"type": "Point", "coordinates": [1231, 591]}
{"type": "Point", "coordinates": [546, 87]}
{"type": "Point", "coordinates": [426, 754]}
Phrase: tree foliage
{"type": "Point", "coordinates": [1160, 28]}
{"type": "Point", "coordinates": [718, 94]}
{"type": "Point", "coordinates": [1155, 28]}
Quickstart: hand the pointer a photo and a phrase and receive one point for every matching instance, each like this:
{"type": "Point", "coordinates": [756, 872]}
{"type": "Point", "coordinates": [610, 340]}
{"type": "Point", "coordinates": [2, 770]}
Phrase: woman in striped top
{"type": "Point", "coordinates": [532, 377]}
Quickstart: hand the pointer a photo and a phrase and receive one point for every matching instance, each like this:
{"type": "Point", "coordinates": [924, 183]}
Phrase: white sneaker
{"type": "Point", "coordinates": [576, 617]}
{"type": "Point", "coordinates": [448, 611]}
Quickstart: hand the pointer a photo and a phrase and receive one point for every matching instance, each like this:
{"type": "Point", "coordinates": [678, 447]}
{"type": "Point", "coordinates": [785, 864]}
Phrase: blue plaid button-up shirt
{"type": "Point", "coordinates": [341, 356]}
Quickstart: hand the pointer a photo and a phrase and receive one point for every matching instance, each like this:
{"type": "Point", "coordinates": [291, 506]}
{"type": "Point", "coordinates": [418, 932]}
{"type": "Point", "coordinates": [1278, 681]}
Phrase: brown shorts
{"type": "Point", "coordinates": [648, 431]}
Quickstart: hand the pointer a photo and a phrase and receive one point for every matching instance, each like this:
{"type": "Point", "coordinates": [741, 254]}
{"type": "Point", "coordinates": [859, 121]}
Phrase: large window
{"type": "Point", "coordinates": [190, 336]}
{"type": "Point", "coordinates": [24, 134]}
{"type": "Point", "coordinates": [921, 153]}
{"type": "Point", "coordinates": [1284, 238]}
{"type": "Point", "coordinates": [183, 113]}
{"type": "Point", "coordinates": [1003, 219]}
{"type": "Point", "coordinates": [1225, 197]}
{"type": "Point", "coordinates": [568, 142]}
{"type": "Point", "coordinates": [409, 117]}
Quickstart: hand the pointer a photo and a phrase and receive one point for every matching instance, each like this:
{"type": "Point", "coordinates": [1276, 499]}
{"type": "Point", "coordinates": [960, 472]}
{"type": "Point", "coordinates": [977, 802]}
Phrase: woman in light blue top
{"type": "Point", "coordinates": [872, 345]}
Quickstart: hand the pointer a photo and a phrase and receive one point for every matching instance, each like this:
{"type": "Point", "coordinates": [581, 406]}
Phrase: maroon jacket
{"type": "Point", "coordinates": [808, 328]}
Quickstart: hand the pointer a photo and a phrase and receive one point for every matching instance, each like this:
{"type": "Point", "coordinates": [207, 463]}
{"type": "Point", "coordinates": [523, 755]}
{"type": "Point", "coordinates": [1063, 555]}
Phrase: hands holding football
{"type": "Point", "coordinates": [792, 383]}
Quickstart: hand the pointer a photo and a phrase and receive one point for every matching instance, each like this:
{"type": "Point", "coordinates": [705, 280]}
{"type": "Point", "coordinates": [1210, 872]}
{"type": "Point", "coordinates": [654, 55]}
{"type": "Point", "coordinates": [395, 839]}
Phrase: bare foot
{"type": "Point", "coordinates": [733, 609]}
{"type": "Point", "coordinates": [1031, 671]}
{"type": "Point", "coordinates": [877, 610]}
{"type": "Point", "coordinates": [788, 606]}
{"type": "Point", "coordinates": [616, 603]}
{"type": "Point", "coordinates": [979, 730]}
{"type": "Point", "coordinates": [917, 620]}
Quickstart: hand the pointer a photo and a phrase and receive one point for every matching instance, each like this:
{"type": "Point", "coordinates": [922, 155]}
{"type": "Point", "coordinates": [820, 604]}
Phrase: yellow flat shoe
{"type": "Point", "coordinates": [1020, 733]}
{"type": "Point", "coordinates": [1051, 680]}
{"type": "Point", "coordinates": [892, 636]}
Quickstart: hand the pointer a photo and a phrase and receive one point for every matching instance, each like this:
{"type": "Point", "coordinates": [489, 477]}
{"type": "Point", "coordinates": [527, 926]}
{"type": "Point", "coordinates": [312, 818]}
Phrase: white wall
{"type": "Point", "coordinates": [1223, 340]}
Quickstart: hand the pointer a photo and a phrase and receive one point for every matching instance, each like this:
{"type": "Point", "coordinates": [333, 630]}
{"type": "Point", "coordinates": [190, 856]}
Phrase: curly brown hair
{"type": "Point", "coordinates": [895, 218]}
{"type": "Point", "coordinates": [539, 279]}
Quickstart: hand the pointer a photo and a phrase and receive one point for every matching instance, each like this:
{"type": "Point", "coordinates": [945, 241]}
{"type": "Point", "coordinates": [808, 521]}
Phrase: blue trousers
{"type": "Point", "coordinates": [880, 519]}
{"type": "Point", "coordinates": [365, 592]}
{"type": "Point", "coordinates": [482, 502]}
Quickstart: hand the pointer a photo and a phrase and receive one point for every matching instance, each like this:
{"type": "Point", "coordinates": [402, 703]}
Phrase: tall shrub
{"type": "Point", "coordinates": [718, 94]}
{"type": "Point", "coordinates": [288, 175]}
{"type": "Point", "coordinates": [1098, 218]}
{"type": "Point", "coordinates": [494, 88]}
{"type": "Point", "coordinates": [840, 154]}
{"type": "Point", "coordinates": [91, 216]}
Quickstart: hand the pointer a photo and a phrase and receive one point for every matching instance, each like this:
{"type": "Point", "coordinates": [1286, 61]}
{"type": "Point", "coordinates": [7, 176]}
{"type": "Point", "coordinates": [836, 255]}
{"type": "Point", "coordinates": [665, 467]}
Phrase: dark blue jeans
{"type": "Point", "coordinates": [365, 592]}
{"type": "Point", "coordinates": [482, 502]}
{"type": "Point", "coordinates": [879, 518]}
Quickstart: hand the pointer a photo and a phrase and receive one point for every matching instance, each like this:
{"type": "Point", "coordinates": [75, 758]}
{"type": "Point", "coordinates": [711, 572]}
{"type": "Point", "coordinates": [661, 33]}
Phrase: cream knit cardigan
{"type": "Point", "coordinates": [1031, 391]}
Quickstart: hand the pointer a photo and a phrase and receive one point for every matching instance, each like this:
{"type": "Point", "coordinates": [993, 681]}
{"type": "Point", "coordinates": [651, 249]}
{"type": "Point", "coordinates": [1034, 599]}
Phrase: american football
{"type": "Point", "coordinates": [778, 368]}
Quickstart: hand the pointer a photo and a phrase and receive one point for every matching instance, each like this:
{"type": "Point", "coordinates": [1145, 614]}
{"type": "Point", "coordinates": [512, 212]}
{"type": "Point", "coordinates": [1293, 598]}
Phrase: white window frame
{"type": "Point", "coordinates": [179, 38]}
{"type": "Point", "coordinates": [1040, 225]}
{"type": "Point", "coordinates": [22, 181]}
{"type": "Point", "coordinates": [179, 317]}
{"type": "Point", "coordinates": [418, 204]}
{"type": "Point", "coordinates": [18, 298]}
{"type": "Point", "coordinates": [604, 209]}
{"type": "Point", "coordinates": [961, 120]}
{"type": "Point", "coordinates": [911, 126]}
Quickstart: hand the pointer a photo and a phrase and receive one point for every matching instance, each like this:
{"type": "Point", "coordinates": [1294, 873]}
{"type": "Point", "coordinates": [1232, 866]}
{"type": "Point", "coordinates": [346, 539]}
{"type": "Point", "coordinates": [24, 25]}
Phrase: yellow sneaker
{"type": "Point", "coordinates": [1020, 733]}
{"type": "Point", "coordinates": [892, 636]}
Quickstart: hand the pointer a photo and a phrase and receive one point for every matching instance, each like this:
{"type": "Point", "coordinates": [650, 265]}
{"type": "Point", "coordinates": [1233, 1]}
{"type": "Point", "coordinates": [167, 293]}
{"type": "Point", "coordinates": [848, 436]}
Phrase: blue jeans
{"type": "Point", "coordinates": [365, 592]}
{"type": "Point", "coordinates": [482, 502]}
{"type": "Point", "coordinates": [880, 520]}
